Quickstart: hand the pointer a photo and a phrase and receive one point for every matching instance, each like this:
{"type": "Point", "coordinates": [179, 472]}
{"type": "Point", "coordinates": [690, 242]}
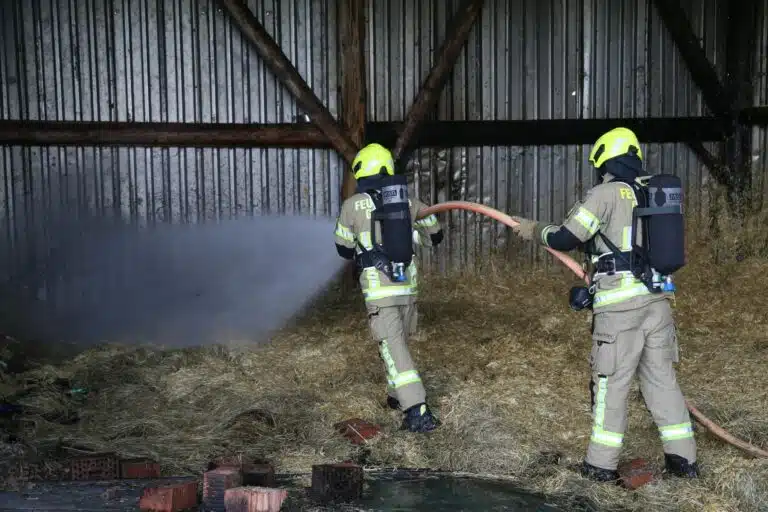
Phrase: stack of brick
{"type": "Point", "coordinates": [216, 483]}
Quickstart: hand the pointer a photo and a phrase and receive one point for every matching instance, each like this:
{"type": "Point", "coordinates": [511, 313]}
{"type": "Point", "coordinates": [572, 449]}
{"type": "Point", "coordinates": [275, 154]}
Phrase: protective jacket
{"type": "Point", "coordinates": [606, 208]}
{"type": "Point", "coordinates": [353, 229]}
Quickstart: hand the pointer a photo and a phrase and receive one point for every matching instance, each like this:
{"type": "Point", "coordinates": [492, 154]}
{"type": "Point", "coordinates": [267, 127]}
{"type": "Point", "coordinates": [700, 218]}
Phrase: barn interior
{"type": "Point", "coordinates": [169, 289]}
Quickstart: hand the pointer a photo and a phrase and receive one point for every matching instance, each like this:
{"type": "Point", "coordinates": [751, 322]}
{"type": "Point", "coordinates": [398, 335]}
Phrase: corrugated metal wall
{"type": "Point", "coordinates": [182, 60]}
{"type": "Point", "coordinates": [760, 134]}
{"type": "Point", "coordinates": [533, 59]}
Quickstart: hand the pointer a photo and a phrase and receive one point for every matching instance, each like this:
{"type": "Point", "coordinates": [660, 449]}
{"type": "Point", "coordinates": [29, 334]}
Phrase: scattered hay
{"type": "Point", "coordinates": [505, 364]}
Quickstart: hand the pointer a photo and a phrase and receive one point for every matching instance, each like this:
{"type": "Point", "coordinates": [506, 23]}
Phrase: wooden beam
{"type": "Point", "coordinates": [78, 133]}
{"type": "Point", "coordinates": [354, 94]}
{"type": "Point", "coordinates": [715, 165]}
{"type": "Point", "coordinates": [754, 116]}
{"type": "Point", "coordinates": [289, 76]}
{"type": "Point", "coordinates": [441, 134]}
{"type": "Point", "coordinates": [549, 132]}
{"type": "Point", "coordinates": [703, 73]}
{"type": "Point", "coordinates": [446, 56]}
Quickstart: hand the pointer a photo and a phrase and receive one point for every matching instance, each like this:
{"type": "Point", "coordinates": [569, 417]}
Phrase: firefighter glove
{"type": "Point", "coordinates": [525, 229]}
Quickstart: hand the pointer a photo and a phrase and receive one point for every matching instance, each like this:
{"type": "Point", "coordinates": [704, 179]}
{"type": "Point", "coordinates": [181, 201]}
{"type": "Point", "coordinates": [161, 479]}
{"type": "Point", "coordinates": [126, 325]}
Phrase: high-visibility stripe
{"type": "Point", "coordinates": [588, 220]}
{"type": "Point", "coordinates": [599, 434]}
{"type": "Point", "coordinates": [676, 432]}
{"type": "Point", "coordinates": [389, 291]}
{"type": "Point", "coordinates": [396, 379]}
{"type": "Point", "coordinates": [545, 233]}
{"type": "Point", "coordinates": [344, 232]}
{"type": "Point", "coordinates": [629, 288]}
{"type": "Point", "coordinates": [406, 378]}
{"type": "Point", "coordinates": [428, 221]}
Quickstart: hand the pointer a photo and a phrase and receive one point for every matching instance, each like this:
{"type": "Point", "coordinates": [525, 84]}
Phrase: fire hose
{"type": "Point", "coordinates": [569, 262]}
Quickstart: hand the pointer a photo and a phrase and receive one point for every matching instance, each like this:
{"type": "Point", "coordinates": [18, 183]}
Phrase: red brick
{"type": "Point", "coordinates": [356, 430]}
{"type": "Point", "coordinates": [139, 468]}
{"type": "Point", "coordinates": [215, 485]}
{"type": "Point", "coordinates": [254, 499]}
{"type": "Point", "coordinates": [94, 466]}
{"type": "Point", "coordinates": [636, 473]}
{"type": "Point", "coordinates": [169, 498]}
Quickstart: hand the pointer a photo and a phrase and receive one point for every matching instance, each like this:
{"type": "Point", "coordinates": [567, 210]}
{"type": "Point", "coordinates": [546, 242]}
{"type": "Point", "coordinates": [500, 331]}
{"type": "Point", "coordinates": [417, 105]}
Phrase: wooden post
{"type": "Point", "coordinates": [289, 76]}
{"type": "Point", "coordinates": [445, 59]}
{"type": "Point", "coordinates": [354, 94]}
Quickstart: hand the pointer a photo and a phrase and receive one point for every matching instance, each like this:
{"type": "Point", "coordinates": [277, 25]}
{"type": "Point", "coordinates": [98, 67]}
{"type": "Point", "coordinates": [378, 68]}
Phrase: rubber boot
{"type": "Point", "coordinates": [419, 419]}
{"type": "Point", "coordinates": [599, 474]}
{"type": "Point", "coordinates": [679, 466]}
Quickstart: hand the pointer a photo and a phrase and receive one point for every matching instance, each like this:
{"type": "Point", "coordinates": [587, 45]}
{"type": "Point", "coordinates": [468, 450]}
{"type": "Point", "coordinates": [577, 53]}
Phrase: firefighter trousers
{"type": "Point", "coordinates": [391, 327]}
{"type": "Point", "coordinates": [643, 342]}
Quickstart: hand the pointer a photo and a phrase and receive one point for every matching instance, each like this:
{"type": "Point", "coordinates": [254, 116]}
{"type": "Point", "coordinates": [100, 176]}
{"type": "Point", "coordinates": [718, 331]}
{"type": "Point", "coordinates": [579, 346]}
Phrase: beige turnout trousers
{"type": "Point", "coordinates": [390, 327]}
{"type": "Point", "coordinates": [641, 341]}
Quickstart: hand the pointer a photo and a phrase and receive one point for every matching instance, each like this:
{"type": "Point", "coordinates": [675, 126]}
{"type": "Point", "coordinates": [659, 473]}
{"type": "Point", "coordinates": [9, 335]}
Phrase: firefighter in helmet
{"type": "Point", "coordinates": [377, 227]}
{"type": "Point", "coordinates": [633, 330]}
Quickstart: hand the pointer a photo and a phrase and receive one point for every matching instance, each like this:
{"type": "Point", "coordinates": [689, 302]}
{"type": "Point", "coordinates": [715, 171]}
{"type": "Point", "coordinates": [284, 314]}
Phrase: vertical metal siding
{"type": "Point", "coordinates": [182, 60]}
{"type": "Point", "coordinates": [760, 134]}
{"type": "Point", "coordinates": [534, 59]}
{"type": "Point", "coordinates": [158, 60]}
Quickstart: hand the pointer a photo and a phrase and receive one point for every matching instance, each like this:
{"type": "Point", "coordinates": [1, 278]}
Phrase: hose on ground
{"type": "Point", "coordinates": [569, 262]}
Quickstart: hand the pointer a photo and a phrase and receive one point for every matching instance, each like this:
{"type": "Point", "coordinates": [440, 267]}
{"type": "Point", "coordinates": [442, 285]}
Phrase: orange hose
{"type": "Point", "coordinates": [569, 262]}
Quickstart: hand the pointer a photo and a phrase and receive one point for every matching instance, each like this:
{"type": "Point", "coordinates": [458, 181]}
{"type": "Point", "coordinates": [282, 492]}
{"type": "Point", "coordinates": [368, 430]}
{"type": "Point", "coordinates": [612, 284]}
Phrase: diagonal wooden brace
{"type": "Point", "coordinates": [289, 76]}
{"type": "Point", "coordinates": [456, 36]}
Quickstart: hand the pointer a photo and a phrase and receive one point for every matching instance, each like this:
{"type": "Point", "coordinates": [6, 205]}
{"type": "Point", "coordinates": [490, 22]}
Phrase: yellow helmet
{"type": "Point", "coordinates": [373, 159]}
{"type": "Point", "coordinates": [617, 142]}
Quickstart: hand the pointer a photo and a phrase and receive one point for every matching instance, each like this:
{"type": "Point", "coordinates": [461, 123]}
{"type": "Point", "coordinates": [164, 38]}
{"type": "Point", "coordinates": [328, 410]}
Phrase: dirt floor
{"type": "Point", "coordinates": [505, 364]}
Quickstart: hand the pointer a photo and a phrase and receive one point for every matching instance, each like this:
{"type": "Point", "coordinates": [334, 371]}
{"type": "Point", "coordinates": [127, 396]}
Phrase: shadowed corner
{"type": "Point", "coordinates": [180, 285]}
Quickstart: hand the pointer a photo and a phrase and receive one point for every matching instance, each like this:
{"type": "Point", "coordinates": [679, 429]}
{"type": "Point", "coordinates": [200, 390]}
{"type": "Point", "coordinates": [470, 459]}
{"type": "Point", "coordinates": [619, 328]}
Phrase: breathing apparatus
{"type": "Point", "coordinates": [659, 212]}
{"type": "Point", "coordinates": [375, 174]}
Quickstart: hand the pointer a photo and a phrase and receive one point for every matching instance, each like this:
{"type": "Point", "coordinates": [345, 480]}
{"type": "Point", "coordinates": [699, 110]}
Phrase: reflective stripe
{"type": "Point", "coordinates": [626, 239]}
{"type": "Point", "coordinates": [388, 291]}
{"type": "Point", "coordinates": [629, 289]}
{"type": "Point", "coordinates": [545, 233]}
{"type": "Point", "coordinates": [396, 379]}
{"type": "Point", "coordinates": [675, 432]}
{"type": "Point", "coordinates": [416, 237]}
{"type": "Point", "coordinates": [344, 232]}
{"type": "Point", "coordinates": [428, 221]}
{"type": "Point", "coordinates": [599, 435]}
{"type": "Point", "coordinates": [365, 240]}
{"type": "Point", "coordinates": [588, 220]}
{"type": "Point", "coordinates": [405, 378]}
{"type": "Point", "coordinates": [372, 276]}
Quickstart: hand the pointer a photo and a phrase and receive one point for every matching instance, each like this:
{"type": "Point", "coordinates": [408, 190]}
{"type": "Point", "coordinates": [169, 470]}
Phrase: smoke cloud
{"type": "Point", "coordinates": [176, 285]}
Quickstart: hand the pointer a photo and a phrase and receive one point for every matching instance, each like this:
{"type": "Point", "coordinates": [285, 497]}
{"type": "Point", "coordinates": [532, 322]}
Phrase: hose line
{"type": "Point", "coordinates": [569, 262]}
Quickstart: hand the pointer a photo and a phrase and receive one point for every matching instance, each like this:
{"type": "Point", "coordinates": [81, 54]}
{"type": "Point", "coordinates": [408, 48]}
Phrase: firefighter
{"type": "Point", "coordinates": [377, 227]}
{"type": "Point", "coordinates": [633, 330]}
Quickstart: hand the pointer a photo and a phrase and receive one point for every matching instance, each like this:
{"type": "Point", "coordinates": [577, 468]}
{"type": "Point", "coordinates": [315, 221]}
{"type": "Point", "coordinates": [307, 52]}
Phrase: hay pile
{"type": "Point", "coordinates": [505, 364]}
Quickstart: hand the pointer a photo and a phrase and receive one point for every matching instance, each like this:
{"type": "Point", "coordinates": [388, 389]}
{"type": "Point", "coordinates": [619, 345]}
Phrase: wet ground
{"type": "Point", "coordinates": [384, 491]}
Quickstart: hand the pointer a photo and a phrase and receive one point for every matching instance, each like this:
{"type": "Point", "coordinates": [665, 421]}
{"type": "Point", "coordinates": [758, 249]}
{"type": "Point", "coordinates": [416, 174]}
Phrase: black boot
{"type": "Point", "coordinates": [679, 466]}
{"type": "Point", "coordinates": [393, 403]}
{"type": "Point", "coordinates": [599, 474]}
{"type": "Point", "coordinates": [419, 419]}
